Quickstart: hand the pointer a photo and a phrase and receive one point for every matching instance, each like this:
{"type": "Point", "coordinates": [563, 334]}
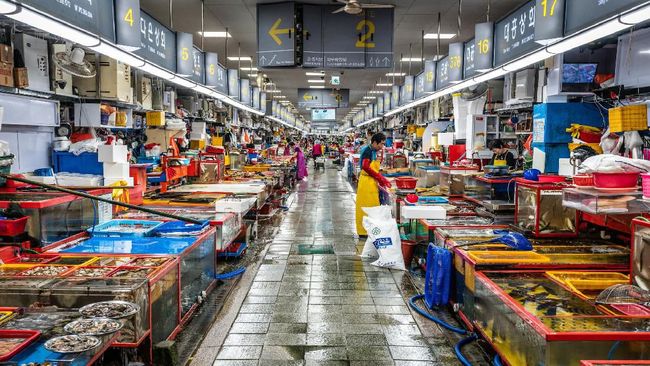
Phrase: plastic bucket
{"type": "Point", "coordinates": [616, 180]}
{"type": "Point", "coordinates": [408, 249]}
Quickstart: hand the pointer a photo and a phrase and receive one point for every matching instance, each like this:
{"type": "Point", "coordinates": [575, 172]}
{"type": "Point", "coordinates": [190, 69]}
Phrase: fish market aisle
{"type": "Point", "coordinates": [313, 301]}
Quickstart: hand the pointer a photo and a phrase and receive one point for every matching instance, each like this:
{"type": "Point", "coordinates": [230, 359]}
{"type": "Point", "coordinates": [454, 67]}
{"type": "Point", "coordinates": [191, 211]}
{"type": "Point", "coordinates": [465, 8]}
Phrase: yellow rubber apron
{"type": "Point", "coordinates": [367, 195]}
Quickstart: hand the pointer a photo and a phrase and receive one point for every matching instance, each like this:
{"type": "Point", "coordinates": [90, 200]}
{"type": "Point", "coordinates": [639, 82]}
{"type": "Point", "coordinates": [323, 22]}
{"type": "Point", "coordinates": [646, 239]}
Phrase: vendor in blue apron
{"type": "Point", "coordinates": [502, 155]}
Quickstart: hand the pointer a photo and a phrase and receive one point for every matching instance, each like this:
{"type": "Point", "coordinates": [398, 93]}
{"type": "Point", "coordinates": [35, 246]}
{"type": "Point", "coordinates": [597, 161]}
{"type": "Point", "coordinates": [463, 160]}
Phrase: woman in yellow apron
{"type": "Point", "coordinates": [502, 156]}
{"type": "Point", "coordinates": [369, 179]}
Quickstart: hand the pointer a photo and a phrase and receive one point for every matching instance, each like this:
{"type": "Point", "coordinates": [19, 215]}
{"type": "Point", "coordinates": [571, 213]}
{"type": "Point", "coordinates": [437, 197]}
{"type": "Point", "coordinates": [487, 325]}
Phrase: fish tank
{"type": "Point", "coordinates": [641, 253]}
{"type": "Point", "coordinates": [56, 216]}
{"type": "Point", "coordinates": [614, 363]}
{"type": "Point", "coordinates": [77, 292]}
{"type": "Point", "coordinates": [24, 292]}
{"type": "Point", "coordinates": [599, 202]}
{"type": "Point", "coordinates": [452, 179]}
{"type": "Point", "coordinates": [539, 210]}
{"type": "Point", "coordinates": [197, 257]}
{"type": "Point", "coordinates": [532, 320]}
{"type": "Point", "coordinates": [483, 188]}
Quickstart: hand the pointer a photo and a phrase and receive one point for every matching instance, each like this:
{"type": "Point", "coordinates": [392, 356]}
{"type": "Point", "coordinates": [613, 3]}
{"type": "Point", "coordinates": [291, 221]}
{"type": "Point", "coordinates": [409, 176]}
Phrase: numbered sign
{"type": "Point", "coordinates": [515, 34]}
{"type": "Point", "coordinates": [483, 47]}
{"type": "Point", "coordinates": [583, 13]}
{"type": "Point", "coordinates": [127, 24]}
{"type": "Point", "coordinates": [263, 102]}
{"type": "Point", "coordinates": [429, 76]}
{"type": "Point", "coordinates": [549, 20]}
{"type": "Point", "coordinates": [380, 105]}
{"type": "Point", "coordinates": [387, 106]}
{"type": "Point", "coordinates": [256, 98]}
{"type": "Point", "coordinates": [233, 83]}
{"type": "Point", "coordinates": [456, 62]}
{"type": "Point", "coordinates": [158, 43]}
{"type": "Point", "coordinates": [211, 69]}
{"type": "Point", "coordinates": [312, 19]}
{"type": "Point", "coordinates": [376, 35]}
{"type": "Point", "coordinates": [184, 56]}
{"type": "Point", "coordinates": [394, 95]}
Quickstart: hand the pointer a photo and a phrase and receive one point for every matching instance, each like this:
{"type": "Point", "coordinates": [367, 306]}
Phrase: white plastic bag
{"type": "Point", "coordinates": [383, 238]}
{"type": "Point", "coordinates": [607, 163]}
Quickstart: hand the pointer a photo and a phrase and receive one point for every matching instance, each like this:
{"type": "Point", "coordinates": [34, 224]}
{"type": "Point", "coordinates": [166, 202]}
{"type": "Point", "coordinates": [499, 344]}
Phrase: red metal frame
{"type": "Point", "coordinates": [57, 198]}
{"type": "Point", "coordinates": [538, 187]}
{"type": "Point", "coordinates": [29, 336]}
{"type": "Point", "coordinates": [551, 335]}
{"type": "Point", "coordinates": [613, 362]}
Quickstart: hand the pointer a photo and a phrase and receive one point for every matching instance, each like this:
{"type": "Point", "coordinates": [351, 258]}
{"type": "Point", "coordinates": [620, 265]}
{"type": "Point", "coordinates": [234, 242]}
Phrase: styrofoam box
{"type": "Point", "coordinates": [198, 136]}
{"type": "Point", "coordinates": [236, 205]}
{"type": "Point", "coordinates": [111, 181]}
{"type": "Point", "coordinates": [423, 212]}
{"type": "Point", "coordinates": [112, 154]}
{"type": "Point", "coordinates": [116, 170]}
{"type": "Point", "coordinates": [78, 180]}
{"type": "Point", "coordinates": [199, 126]}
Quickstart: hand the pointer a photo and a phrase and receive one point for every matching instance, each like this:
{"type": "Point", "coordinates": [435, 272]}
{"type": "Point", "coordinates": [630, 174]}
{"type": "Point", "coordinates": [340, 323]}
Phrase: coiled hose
{"type": "Point", "coordinates": [438, 321]}
{"type": "Point", "coordinates": [459, 347]}
{"type": "Point", "coordinates": [497, 361]}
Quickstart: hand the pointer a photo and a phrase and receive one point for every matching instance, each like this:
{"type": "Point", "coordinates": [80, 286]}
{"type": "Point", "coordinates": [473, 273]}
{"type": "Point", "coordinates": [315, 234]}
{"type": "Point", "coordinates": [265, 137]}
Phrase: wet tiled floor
{"type": "Point", "coordinates": [325, 309]}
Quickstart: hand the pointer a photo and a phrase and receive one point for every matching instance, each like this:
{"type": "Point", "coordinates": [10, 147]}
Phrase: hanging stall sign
{"type": "Point", "coordinates": [245, 91]}
{"type": "Point", "coordinates": [515, 34]}
{"type": "Point", "coordinates": [549, 20]}
{"type": "Point", "coordinates": [442, 73]}
{"type": "Point", "coordinates": [323, 98]}
{"type": "Point", "coordinates": [406, 91]}
{"type": "Point", "coordinates": [198, 67]}
{"type": "Point", "coordinates": [469, 68]}
{"type": "Point", "coordinates": [127, 26]}
{"type": "Point", "coordinates": [275, 35]}
{"type": "Point", "coordinates": [222, 80]}
{"type": "Point", "coordinates": [158, 43]}
{"type": "Point", "coordinates": [263, 102]}
{"type": "Point", "coordinates": [429, 76]}
{"type": "Point", "coordinates": [91, 16]}
{"type": "Point", "coordinates": [312, 20]}
{"type": "Point", "coordinates": [387, 98]}
{"type": "Point", "coordinates": [184, 54]}
{"type": "Point", "coordinates": [256, 98]}
{"type": "Point", "coordinates": [211, 63]}
{"type": "Point", "coordinates": [581, 14]}
{"type": "Point", "coordinates": [274, 108]}
{"type": "Point", "coordinates": [233, 83]}
{"type": "Point", "coordinates": [380, 105]}
{"type": "Point", "coordinates": [455, 62]}
{"type": "Point", "coordinates": [394, 96]}
{"type": "Point", "coordinates": [377, 36]}
{"type": "Point", "coordinates": [483, 47]}
{"type": "Point", "coordinates": [419, 86]}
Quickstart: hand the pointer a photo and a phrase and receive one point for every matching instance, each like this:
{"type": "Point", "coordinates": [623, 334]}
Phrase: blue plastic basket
{"type": "Point", "coordinates": [179, 228]}
{"type": "Point", "coordinates": [124, 228]}
{"type": "Point", "coordinates": [433, 199]}
{"type": "Point", "coordinates": [437, 280]}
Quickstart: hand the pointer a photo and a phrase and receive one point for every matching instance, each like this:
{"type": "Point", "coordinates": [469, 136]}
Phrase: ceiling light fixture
{"type": "Point", "coordinates": [242, 58]}
{"type": "Point", "coordinates": [439, 36]}
{"type": "Point", "coordinates": [316, 81]}
{"type": "Point", "coordinates": [217, 34]}
{"type": "Point", "coordinates": [396, 74]}
{"type": "Point", "coordinates": [411, 59]}
{"type": "Point", "coordinates": [273, 91]}
{"type": "Point", "coordinates": [248, 68]}
{"type": "Point", "coordinates": [315, 73]}
{"type": "Point", "coordinates": [317, 86]}
{"type": "Point", "coordinates": [384, 84]}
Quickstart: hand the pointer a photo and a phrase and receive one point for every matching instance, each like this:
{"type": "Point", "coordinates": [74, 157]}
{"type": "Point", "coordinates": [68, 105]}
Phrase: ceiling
{"type": "Point", "coordinates": [411, 18]}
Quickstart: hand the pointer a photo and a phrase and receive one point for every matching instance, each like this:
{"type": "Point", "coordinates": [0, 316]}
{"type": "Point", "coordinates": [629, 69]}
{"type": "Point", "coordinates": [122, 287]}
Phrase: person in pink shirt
{"type": "Point", "coordinates": [316, 150]}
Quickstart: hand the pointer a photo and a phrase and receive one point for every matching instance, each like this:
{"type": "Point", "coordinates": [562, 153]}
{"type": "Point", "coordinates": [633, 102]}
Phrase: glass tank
{"type": "Point", "coordinates": [539, 210]}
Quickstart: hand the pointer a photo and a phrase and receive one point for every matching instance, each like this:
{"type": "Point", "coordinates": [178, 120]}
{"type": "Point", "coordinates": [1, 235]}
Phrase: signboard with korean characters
{"type": "Point", "coordinates": [158, 43]}
{"type": "Point", "coordinates": [581, 14]}
{"type": "Point", "coordinates": [419, 85]}
{"type": "Point", "coordinates": [380, 104]}
{"type": "Point", "coordinates": [92, 16]}
{"type": "Point", "coordinates": [406, 91]}
{"type": "Point", "coordinates": [198, 68]}
{"type": "Point", "coordinates": [469, 69]}
{"type": "Point", "coordinates": [233, 83]}
{"type": "Point", "coordinates": [442, 73]}
{"type": "Point", "coordinates": [394, 96]}
{"type": "Point", "coordinates": [387, 98]}
{"type": "Point", "coordinates": [514, 35]}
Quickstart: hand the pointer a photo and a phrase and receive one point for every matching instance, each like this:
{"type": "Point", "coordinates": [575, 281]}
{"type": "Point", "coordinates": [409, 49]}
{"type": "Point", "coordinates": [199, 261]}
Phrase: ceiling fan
{"type": "Point", "coordinates": [355, 7]}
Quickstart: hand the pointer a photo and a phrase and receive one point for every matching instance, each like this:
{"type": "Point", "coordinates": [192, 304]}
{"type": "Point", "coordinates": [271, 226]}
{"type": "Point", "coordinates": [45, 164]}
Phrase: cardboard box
{"type": "Point", "coordinates": [21, 79]}
{"type": "Point", "coordinates": [6, 54]}
{"type": "Point", "coordinates": [156, 118]}
{"type": "Point", "coordinates": [116, 170]}
{"type": "Point", "coordinates": [197, 144]}
{"type": "Point", "coordinates": [112, 154]}
{"type": "Point", "coordinates": [6, 74]}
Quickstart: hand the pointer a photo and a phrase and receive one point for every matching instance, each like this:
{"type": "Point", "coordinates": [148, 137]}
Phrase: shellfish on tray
{"type": "Point", "coordinates": [109, 309]}
{"type": "Point", "coordinates": [46, 271]}
{"type": "Point", "coordinates": [72, 343]}
{"type": "Point", "coordinates": [93, 326]}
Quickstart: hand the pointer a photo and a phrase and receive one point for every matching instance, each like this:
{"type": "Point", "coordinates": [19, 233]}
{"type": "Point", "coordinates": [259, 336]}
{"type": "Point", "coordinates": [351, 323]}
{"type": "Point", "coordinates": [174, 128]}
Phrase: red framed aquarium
{"type": "Point", "coordinates": [539, 210]}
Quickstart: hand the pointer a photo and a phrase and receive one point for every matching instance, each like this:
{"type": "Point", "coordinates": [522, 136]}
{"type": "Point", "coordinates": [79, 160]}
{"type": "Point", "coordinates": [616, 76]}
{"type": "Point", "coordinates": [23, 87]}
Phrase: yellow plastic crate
{"type": "Point", "coordinates": [156, 118]}
{"type": "Point", "coordinates": [628, 118]}
{"type": "Point", "coordinates": [197, 144]}
{"type": "Point", "coordinates": [584, 283]}
{"type": "Point", "coordinates": [507, 257]}
{"type": "Point", "coordinates": [5, 315]}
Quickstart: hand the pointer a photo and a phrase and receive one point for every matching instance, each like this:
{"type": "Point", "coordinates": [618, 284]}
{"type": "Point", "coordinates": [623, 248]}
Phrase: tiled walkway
{"type": "Point", "coordinates": [327, 309]}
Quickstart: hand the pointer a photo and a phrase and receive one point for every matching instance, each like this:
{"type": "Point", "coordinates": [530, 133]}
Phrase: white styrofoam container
{"type": "Point", "coordinates": [423, 212]}
{"type": "Point", "coordinates": [110, 181]}
{"type": "Point", "coordinates": [199, 127]}
{"type": "Point", "coordinates": [116, 170]}
{"type": "Point", "coordinates": [236, 205]}
{"type": "Point", "coordinates": [112, 154]}
{"type": "Point", "coordinates": [198, 136]}
{"type": "Point", "coordinates": [78, 180]}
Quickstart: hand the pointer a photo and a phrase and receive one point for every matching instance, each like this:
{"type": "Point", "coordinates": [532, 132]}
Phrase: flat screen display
{"type": "Point", "coordinates": [327, 114]}
{"type": "Point", "coordinates": [579, 73]}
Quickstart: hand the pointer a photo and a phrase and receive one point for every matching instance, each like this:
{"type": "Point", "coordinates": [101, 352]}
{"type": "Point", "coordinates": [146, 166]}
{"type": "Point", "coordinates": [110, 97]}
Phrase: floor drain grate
{"type": "Point", "coordinates": [306, 249]}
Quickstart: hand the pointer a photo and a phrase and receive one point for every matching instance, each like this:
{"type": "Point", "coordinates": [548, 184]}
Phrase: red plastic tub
{"type": "Point", "coordinates": [583, 180]}
{"type": "Point", "coordinates": [29, 336]}
{"type": "Point", "coordinates": [616, 180]}
{"type": "Point", "coordinates": [547, 178]}
{"type": "Point", "coordinates": [406, 182]}
{"type": "Point", "coordinates": [13, 227]}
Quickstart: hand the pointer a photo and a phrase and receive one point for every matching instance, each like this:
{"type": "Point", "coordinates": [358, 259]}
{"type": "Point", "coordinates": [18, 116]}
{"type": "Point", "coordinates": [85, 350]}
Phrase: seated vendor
{"type": "Point", "coordinates": [502, 155]}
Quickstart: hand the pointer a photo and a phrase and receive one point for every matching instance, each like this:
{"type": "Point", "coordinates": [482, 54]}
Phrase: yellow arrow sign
{"type": "Point", "coordinates": [275, 31]}
{"type": "Point", "coordinates": [307, 97]}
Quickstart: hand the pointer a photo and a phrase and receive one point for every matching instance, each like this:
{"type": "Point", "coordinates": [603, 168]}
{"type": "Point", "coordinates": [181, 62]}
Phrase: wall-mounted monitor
{"type": "Point", "coordinates": [326, 114]}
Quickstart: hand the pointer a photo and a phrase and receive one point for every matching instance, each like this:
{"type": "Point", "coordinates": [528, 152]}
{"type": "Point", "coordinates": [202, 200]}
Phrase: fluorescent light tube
{"type": "Point", "coordinates": [118, 54]}
{"type": "Point", "coordinates": [384, 84]}
{"type": "Point", "coordinates": [157, 71]}
{"type": "Point", "coordinates": [441, 35]}
{"type": "Point", "coordinates": [217, 34]}
{"type": "Point", "coordinates": [411, 59]}
{"type": "Point", "coordinates": [600, 31]}
{"type": "Point", "coordinates": [37, 20]}
{"type": "Point", "coordinates": [316, 81]}
{"type": "Point", "coordinates": [242, 58]}
{"type": "Point", "coordinates": [396, 74]}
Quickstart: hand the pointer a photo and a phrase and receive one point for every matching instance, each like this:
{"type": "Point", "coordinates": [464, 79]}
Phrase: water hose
{"type": "Point", "coordinates": [438, 321]}
{"type": "Point", "coordinates": [459, 347]}
{"type": "Point", "coordinates": [229, 275]}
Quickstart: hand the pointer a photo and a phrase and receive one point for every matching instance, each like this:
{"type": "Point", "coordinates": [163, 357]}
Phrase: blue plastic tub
{"type": "Point", "coordinates": [437, 281]}
{"type": "Point", "coordinates": [433, 199]}
{"type": "Point", "coordinates": [179, 228]}
{"type": "Point", "coordinates": [84, 163]}
{"type": "Point", "coordinates": [124, 228]}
